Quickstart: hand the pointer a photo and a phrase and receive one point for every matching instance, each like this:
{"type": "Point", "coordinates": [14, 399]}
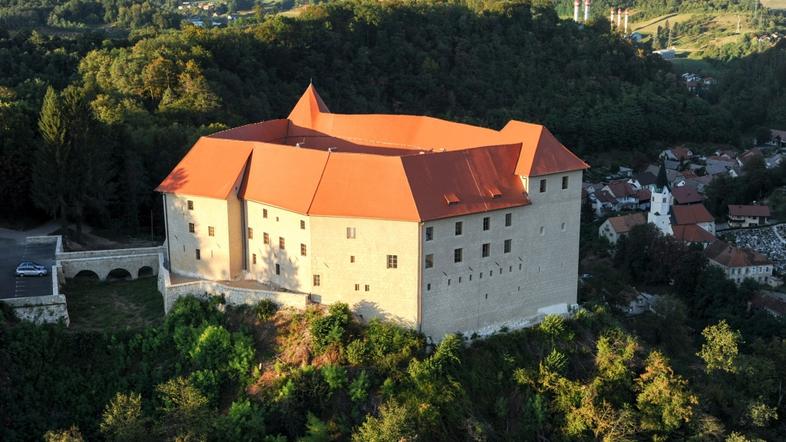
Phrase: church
{"type": "Point", "coordinates": [436, 225]}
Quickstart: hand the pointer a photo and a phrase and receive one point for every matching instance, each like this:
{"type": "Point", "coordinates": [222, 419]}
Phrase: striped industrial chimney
{"type": "Point", "coordinates": [626, 21]}
{"type": "Point", "coordinates": [586, 10]}
{"type": "Point", "coordinates": [611, 17]}
{"type": "Point", "coordinates": [576, 5]}
{"type": "Point", "coordinates": [619, 17]}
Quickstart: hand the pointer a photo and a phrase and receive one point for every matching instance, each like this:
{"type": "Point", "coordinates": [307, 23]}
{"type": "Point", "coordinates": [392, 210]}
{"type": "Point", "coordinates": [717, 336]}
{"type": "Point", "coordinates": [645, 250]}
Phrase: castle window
{"type": "Point", "coordinates": [564, 226]}
{"type": "Point", "coordinates": [278, 269]}
{"type": "Point", "coordinates": [190, 205]}
{"type": "Point", "coordinates": [264, 213]}
{"type": "Point", "coordinates": [250, 233]}
{"type": "Point", "coordinates": [191, 228]}
{"type": "Point", "coordinates": [448, 281]}
{"type": "Point", "coordinates": [316, 281]}
{"type": "Point", "coordinates": [211, 231]}
{"type": "Point", "coordinates": [542, 185]}
{"type": "Point", "coordinates": [392, 261]}
{"type": "Point", "coordinates": [508, 245]}
{"type": "Point", "coordinates": [458, 255]}
{"type": "Point", "coordinates": [265, 238]}
{"type": "Point", "coordinates": [486, 223]}
{"type": "Point", "coordinates": [282, 243]}
{"type": "Point", "coordinates": [459, 279]}
{"type": "Point", "coordinates": [508, 219]}
{"type": "Point", "coordinates": [429, 233]}
{"type": "Point", "coordinates": [429, 260]}
{"type": "Point", "coordinates": [350, 232]}
{"type": "Point", "coordinates": [357, 287]}
{"type": "Point", "coordinates": [253, 258]}
{"type": "Point", "coordinates": [542, 230]}
{"type": "Point", "coordinates": [459, 227]}
{"type": "Point", "coordinates": [485, 250]}
{"type": "Point", "coordinates": [352, 258]}
{"type": "Point", "coordinates": [302, 250]}
{"type": "Point", "coordinates": [564, 182]}
{"type": "Point", "coordinates": [428, 286]}
{"type": "Point", "coordinates": [302, 225]}
{"type": "Point", "coordinates": [367, 287]}
{"type": "Point", "coordinates": [198, 254]}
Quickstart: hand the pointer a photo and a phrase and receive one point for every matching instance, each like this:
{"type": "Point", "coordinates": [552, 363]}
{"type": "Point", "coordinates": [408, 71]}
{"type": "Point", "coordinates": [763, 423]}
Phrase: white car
{"type": "Point", "coordinates": [29, 268]}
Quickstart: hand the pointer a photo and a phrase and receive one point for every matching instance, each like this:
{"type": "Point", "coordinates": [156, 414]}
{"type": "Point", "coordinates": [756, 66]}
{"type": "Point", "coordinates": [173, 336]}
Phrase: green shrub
{"type": "Point", "coordinates": [265, 309]}
{"type": "Point", "coordinates": [331, 328]}
{"type": "Point", "coordinates": [335, 376]}
{"type": "Point", "coordinates": [358, 389]}
{"type": "Point", "coordinates": [358, 352]}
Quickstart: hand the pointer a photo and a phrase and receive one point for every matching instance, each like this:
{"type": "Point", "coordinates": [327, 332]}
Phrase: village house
{"type": "Point", "coordinates": [686, 195]}
{"type": "Point", "coordinates": [678, 154]}
{"type": "Point", "coordinates": [748, 215]}
{"type": "Point", "coordinates": [692, 234]}
{"type": "Point", "coordinates": [624, 192]}
{"type": "Point", "coordinates": [435, 225]}
{"type": "Point", "coordinates": [614, 228]}
{"type": "Point", "coordinates": [693, 214]}
{"type": "Point", "coordinates": [738, 263]}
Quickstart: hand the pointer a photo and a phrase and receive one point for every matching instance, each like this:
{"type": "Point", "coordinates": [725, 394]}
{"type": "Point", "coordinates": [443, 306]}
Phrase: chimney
{"type": "Point", "coordinates": [611, 17]}
{"type": "Point", "coordinates": [626, 21]}
{"type": "Point", "coordinates": [619, 17]}
{"type": "Point", "coordinates": [576, 6]}
{"type": "Point", "coordinates": [586, 10]}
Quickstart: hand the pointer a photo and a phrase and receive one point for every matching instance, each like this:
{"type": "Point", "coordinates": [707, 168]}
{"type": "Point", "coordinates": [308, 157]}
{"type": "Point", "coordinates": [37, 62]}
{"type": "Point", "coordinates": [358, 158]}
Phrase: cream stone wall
{"type": "Point", "coordinates": [392, 293]}
{"type": "Point", "coordinates": [294, 269]}
{"type": "Point", "coordinates": [539, 274]}
{"type": "Point", "coordinates": [215, 251]}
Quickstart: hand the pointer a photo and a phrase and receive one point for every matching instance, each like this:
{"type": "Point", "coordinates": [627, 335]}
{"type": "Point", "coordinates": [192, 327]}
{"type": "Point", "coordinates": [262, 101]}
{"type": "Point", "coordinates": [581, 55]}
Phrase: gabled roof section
{"type": "Point", "coordinates": [626, 223]}
{"type": "Point", "coordinates": [748, 210]}
{"type": "Point", "coordinates": [691, 214]}
{"type": "Point", "coordinates": [308, 108]}
{"type": "Point", "coordinates": [541, 152]}
{"type": "Point", "coordinates": [692, 233]}
{"type": "Point", "coordinates": [729, 256]}
{"type": "Point", "coordinates": [209, 169]}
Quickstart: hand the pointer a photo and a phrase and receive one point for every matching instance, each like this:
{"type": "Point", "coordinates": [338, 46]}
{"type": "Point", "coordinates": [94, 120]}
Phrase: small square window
{"type": "Point", "coordinates": [357, 287]}
{"type": "Point", "coordinates": [367, 287]}
{"type": "Point", "coordinates": [350, 232]}
{"type": "Point", "coordinates": [265, 238]}
{"type": "Point", "coordinates": [564, 182]}
{"type": "Point", "coordinates": [198, 254]}
{"type": "Point", "coordinates": [508, 219]}
{"type": "Point", "coordinates": [278, 269]}
{"type": "Point", "coordinates": [352, 258]}
{"type": "Point", "coordinates": [486, 223]}
{"type": "Point", "coordinates": [250, 233]}
{"type": "Point", "coordinates": [282, 243]}
{"type": "Point", "coordinates": [542, 230]}
{"type": "Point", "coordinates": [302, 250]}
{"type": "Point", "coordinates": [191, 227]}
{"type": "Point", "coordinates": [211, 231]}
{"type": "Point", "coordinates": [429, 261]}
{"type": "Point", "coordinates": [264, 213]}
{"type": "Point", "coordinates": [190, 205]}
{"type": "Point", "coordinates": [302, 225]}
{"type": "Point", "coordinates": [458, 255]}
{"type": "Point", "coordinates": [253, 258]}
{"type": "Point", "coordinates": [392, 261]}
{"type": "Point", "coordinates": [508, 245]}
{"type": "Point", "coordinates": [428, 286]}
{"type": "Point", "coordinates": [448, 281]}
{"type": "Point", "coordinates": [429, 233]}
{"type": "Point", "coordinates": [485, 250]}
{"type": "Point", "coordinates": [542, 185]}
{"type": "Point", "coordinates": [317, 281]}
{"type": "Point", "coordinates": [459, 279]}
{"type": "Point", "coordinates": [459, 227]}
{"type": "Point", "coordinates": [564, 227]}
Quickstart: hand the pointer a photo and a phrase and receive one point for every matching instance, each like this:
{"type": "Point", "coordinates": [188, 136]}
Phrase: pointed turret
{"type": "Point", "coordinates": [663, 180]}
{"type": "Point", "coordinates": [308, 108]}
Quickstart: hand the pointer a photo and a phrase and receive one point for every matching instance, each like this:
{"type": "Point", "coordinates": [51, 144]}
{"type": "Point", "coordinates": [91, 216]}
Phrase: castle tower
{"type": "Point", "coordinates": [660, 203]}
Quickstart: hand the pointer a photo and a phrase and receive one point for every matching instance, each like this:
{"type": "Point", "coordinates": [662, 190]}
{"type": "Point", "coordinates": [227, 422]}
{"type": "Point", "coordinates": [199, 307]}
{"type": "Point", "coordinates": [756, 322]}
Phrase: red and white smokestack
{"type": "Point", "coordinates": [576, 7]}
{"type": "Point", "coordinates": [586, 9]}
{"type": "Point", "coordinates": [611, 17]}
{"type": "Point", "coordinates": [619, 17]}
{"type": "Point", "coordinates": [626, 21]}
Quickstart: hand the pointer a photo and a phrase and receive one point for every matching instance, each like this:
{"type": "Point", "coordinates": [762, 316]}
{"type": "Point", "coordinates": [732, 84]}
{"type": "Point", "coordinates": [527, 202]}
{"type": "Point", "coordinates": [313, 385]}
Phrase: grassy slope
{"type": "Point", "coordinates": [94, 306]}
{"type": "Point", "coordinates": [774, 4]}
{"type": "Point", "coordinates": [722, 29]}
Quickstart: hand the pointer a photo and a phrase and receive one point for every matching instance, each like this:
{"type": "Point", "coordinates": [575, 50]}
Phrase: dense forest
{"type": "Point", "coordinates": [700, 366]}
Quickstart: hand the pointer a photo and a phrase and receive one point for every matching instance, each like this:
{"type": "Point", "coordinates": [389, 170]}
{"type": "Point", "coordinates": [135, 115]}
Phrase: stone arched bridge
{"type": "Point", "coordinates": [107, 264]}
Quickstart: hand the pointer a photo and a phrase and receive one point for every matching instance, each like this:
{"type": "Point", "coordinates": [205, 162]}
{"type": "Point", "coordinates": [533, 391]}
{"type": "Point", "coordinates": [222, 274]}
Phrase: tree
{"type": "Point", "coordinates": [395, 423]}
{"type": "Point", "coordinates": [720, 348]}
{"type": "Point", "coordinates": [663, 397]}
{"type": "Point", "coordinates": [70, 435]}
{"type": "Point", "coordinates": [185, 410]}
{"type": "Point", "coordinates": [122, 419]}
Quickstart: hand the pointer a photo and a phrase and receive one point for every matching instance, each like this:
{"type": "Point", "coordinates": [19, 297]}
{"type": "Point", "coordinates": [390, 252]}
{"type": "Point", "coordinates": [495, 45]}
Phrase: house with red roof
{"type": "Point", "coordinates": [738, 263]}
{"type": "Point", "coordinates": [618, 226]}
{"type": "Point", "coordinates": [432, 224]}
{"type": "Point", "coordinates": [748, 215]}
{"type": "Point", "coordinates": [697, 214]}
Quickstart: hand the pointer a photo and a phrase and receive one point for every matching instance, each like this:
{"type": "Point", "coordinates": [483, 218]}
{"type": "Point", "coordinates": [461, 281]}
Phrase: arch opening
{"type": "Point", "coordinates": [86, 276]}
{"type": "Point", "coordinates": [119, 275]}
{"type": "Point", "coordinates": [145, 272]}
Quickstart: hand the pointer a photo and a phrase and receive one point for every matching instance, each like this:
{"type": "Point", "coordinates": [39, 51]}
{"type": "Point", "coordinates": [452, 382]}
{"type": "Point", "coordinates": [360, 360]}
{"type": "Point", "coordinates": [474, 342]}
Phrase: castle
{"type": "Point", "coordinates": [436, 225]}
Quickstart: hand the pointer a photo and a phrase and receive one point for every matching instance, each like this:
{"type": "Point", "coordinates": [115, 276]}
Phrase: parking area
{"type": "Point", "coordinates": [11, 254]}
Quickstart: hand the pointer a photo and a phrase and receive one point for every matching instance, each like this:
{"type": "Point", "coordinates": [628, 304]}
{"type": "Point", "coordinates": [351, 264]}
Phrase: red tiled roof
{"type": "Point", "coordinates": [621, 189]}
{"type": "Point", "coordinates": [686, 195]}
{"type": "Point", "coordinates": [748, 210]}
{"type": "Point", "coordinates": [691, 214]}
{"type": "Point", "coordinates": [624, 223]}
{"type": "Point", "coordinates": [605, 197]}
{"type": "Point", "coordinates": [644, 195]}
{"type": "Point", "coordinates": [692, 233]}
{"type": "Point", "coordinates": [729, 256]}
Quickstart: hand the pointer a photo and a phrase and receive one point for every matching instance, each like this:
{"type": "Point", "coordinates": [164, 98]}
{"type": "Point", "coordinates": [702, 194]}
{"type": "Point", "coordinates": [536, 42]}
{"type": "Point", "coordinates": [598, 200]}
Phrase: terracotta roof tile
{"type": "Point", "coordinates": [691, 214]}
{"type": "Point", "coordinates": [625, 223]}
{"type": "Point", "coordinates": [729, 256]}
{"type": "Point", "coordinates": [692, 233]}
{"type": "Point", "coordinates": [686, 195]}
{"type": "Point", "coordinates": [748, 210]}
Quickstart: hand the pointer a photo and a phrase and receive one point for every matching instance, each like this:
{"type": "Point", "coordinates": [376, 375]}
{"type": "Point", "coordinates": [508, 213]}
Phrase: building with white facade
{"type": "Point", "coordinates": [436, 225]}
{"type": "Point", "coordinates": [738, 263]}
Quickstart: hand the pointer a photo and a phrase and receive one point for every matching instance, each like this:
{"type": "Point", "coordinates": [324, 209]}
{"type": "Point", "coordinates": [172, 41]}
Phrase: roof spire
{"type": "Point", "coordinates": [662, 181]}
{"type": "Point", "coordinates": [308, 108]}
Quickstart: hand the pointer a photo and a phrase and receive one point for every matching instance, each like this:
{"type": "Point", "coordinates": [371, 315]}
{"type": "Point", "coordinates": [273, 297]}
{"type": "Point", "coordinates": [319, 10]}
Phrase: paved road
{"type": "Point", "coordinates": [11, 253]}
